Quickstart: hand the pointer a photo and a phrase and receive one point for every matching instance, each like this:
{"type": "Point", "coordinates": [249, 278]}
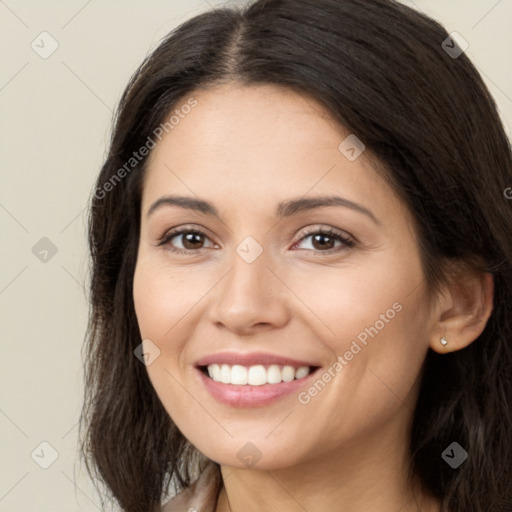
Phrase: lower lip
{"type": "Point", "coordinates": [252, 396]}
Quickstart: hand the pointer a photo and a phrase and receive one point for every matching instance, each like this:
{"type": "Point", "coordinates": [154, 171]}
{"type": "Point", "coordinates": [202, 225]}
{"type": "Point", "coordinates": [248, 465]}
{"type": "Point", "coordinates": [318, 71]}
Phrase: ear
{"type": "Point", "coordinates": [462, 312]}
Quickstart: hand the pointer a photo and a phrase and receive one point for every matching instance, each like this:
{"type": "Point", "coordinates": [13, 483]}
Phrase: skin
{"type": "Point", "coordinates": [245, 149]}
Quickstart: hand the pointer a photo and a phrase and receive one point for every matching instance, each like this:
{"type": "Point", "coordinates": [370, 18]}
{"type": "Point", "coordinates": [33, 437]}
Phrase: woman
{"type": "Point", "coordinates": [301, 270]}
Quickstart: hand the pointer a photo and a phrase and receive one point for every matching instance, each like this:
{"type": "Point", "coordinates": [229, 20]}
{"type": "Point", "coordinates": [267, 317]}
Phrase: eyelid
{"type": "Point", "coordinates": [174, 232]}
{"type": "Point", "coordinates": [348, 241]}
{"type": "Point", "coordinates": [328, 230]}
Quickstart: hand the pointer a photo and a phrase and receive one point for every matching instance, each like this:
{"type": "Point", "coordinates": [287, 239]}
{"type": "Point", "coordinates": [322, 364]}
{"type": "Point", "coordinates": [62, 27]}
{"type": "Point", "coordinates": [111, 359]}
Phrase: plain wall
{"type": "Point", "coordinates": [54, 126]}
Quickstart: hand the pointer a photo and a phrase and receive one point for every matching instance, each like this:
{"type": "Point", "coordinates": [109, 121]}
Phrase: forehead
{"type": "Point", "coordinates": [255, 144]}
{"type": "Point", "coordinates": [267, 117]}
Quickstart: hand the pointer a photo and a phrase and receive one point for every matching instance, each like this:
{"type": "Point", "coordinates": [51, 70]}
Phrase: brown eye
{"type": "Point", "coordinates": [191, 240]}
{"type": "Point", "coordinates": [324, 240]}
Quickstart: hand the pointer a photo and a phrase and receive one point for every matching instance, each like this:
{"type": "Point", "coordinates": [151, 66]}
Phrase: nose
{"type": "Point", "coordinates": [251, 297]}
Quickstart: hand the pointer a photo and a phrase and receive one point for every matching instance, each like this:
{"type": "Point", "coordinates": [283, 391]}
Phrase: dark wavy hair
{"type": "Point", "coordinates": [433, 130]}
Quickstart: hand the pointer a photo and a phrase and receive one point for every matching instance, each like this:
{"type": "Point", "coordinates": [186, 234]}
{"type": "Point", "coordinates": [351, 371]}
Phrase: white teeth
{"type": "Point", "coordinates": [256, 375]}
{"type": "Point", "coordinates": [288, 373]}
{"type": "Point", "coordinates": [225, 374]}
{"type": "Point", "coordinates": [301, 372]}
{"type": "Point", "coordinates": [238, 374]}
{"type": "Point", "coordinates": [273, 374]}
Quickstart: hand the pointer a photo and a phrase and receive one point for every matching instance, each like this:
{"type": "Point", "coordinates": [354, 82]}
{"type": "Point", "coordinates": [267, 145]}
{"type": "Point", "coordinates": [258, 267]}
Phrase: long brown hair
{"type": "Point", "coordinates": [429, 122]}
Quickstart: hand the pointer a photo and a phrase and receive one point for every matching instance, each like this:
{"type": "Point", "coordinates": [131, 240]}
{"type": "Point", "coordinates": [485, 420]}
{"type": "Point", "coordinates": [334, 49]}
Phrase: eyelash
{"type": "Point", "coordinates": [167, 237]}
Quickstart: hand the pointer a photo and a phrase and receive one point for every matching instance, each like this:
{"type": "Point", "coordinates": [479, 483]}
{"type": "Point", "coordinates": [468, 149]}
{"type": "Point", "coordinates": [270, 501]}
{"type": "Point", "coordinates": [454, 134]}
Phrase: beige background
{"type": "Point", "coordinates": [54, 127]}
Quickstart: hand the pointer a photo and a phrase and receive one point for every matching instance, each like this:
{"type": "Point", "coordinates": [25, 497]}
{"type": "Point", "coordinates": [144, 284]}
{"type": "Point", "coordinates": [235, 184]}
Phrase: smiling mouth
{"type": "Point", "coordinates": [255, 375]}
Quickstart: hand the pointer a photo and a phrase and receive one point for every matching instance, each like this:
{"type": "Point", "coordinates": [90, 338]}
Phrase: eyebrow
{"type": "Point", "coordinates": [284, 209]}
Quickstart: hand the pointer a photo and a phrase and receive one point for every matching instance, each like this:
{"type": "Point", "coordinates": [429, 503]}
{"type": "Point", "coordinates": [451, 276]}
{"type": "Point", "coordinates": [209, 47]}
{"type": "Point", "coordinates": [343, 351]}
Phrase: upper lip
{"type": "Point", "coordinates": [251, 359]}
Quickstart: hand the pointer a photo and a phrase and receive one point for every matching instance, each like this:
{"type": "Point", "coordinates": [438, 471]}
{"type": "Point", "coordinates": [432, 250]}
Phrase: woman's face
{"type": "Point", "coordinates": [260, 279]}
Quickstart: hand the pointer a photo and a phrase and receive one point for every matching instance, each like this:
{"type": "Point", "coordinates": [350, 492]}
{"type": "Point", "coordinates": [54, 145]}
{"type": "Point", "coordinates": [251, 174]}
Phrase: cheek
{"type": "Point", "coordinates": [168, 302]}
{"type": "Point", "coordinates": [161, 304]}
{"type": "Point", "coordinates": [376, 321]}
{"type": "Point", "coordinates": [162, 299]}
{"type": "Point", "coordinates": [347, 301]}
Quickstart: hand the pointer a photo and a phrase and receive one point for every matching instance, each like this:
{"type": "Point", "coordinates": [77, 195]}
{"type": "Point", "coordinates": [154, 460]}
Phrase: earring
{"type": "Point", "coordinates": [444, 341]}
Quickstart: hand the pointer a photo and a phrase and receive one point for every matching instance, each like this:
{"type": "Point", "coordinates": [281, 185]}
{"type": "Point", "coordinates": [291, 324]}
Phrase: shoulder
{"type": "Point", "coordinates": [201, 495]}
